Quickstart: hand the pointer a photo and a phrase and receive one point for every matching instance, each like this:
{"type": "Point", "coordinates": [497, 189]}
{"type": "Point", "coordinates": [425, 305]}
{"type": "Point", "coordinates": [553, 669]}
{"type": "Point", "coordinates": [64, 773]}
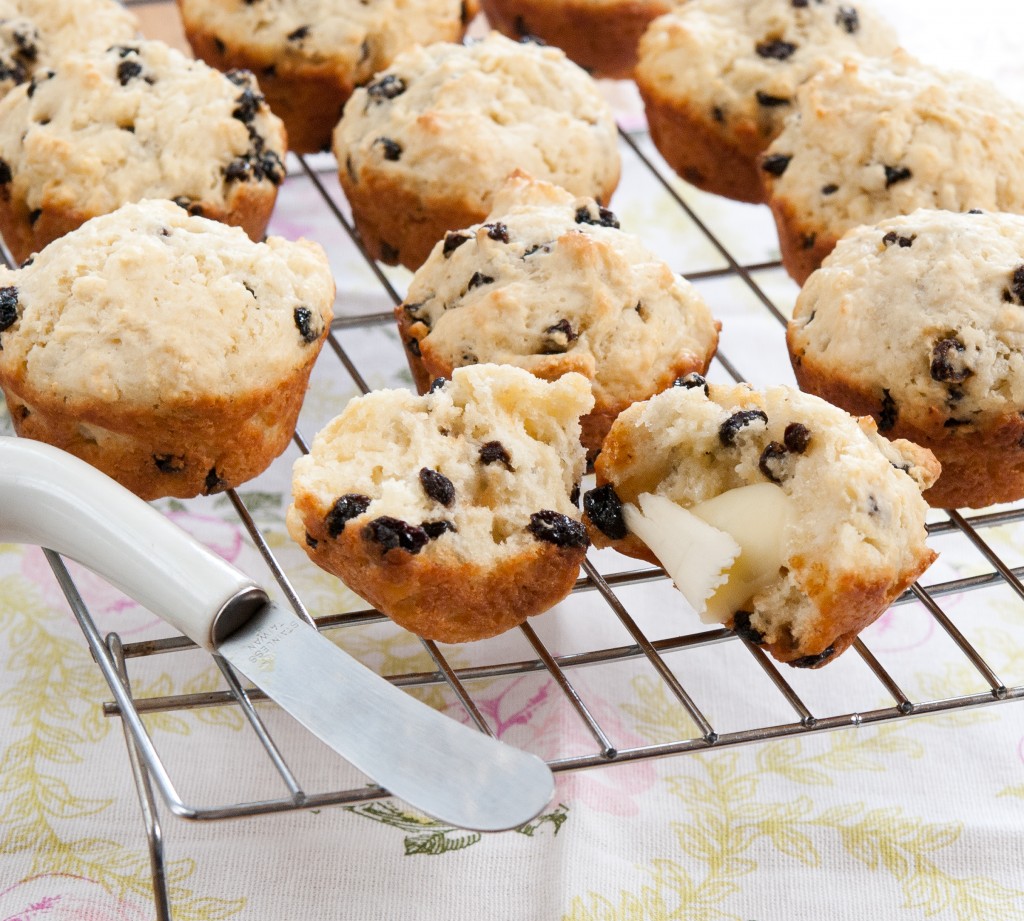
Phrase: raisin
{"type": "Point", "coordinates": [956, 423]}
{"type": "Point", "coordinates": [188, 205]}
{"type": "Point", "coordinates": [413, 310]}
{"type": "Point", "coordinates": [388, 253]}
{"type": "Point", "coordinates": [494, 452]}
{"type": "Point", "coordinates": [777, 49]}
{"type": "Point", "coordinates": [558, 529]}
{"type": "Point", "coordinates": [311, 541]}
{"type": "Point", "coordinates": [558, 338]}
{"type": "Point", "coordinates": [893, 237]}
{"type": "Point", "coordinates": [128, 70]}
{"type": "Point", "coordinates": [894, 174]}
{"type": "Point", "coordinates": [574, 494]}
{"type": "Point", "coordinates": [829, 189]}
{"type": "Point", "coordinates": [5, 172]}
{"type": "Point", "coordinates": [392, 149]}
{"type": "Point", "coordinates": [437, 384]}
{"type": "Point", "coordinates": [605, 218]}
{"type": "Point", "coordinates": [395, 534]}
{"type": "Point", "coordinates": [298, 34]}
{"type": "Point", "coordinates": [37, 78]}
{"type": "Point", "coordinates": [772, 459]}
{"type": "Point", "coordinates": [537, 247]}
{"type": "Point", "coordinates": [729, 429]}
{"type": "Point", "coordinates": [345, 508]}
{"type": "Point", "coordinates": [413, 345]}
{"type": "Point", "coordinates": [769, 101]}
{"type": "Point", "coordinates": [169, 463]}
{"type": "Point", "coordinates": [8, 307]}
{"type": "Point", "coordinates": [479, 279]}
{"type": "Point", "coordinates": [437, 486]}
{"type": "Point", "coordinates": [742, 628]}
{"type": "Point", "coordinates": [847, 18]}
{"type": "Point", "coordinates": [947, 362]}
{"type": "Point", "coordinates": [776, 164]}
{"type": "Point", "coordinates": [387, 87]}
{"type": "Point", "coordinates": [692, 381]}
{"type": "Point", "coordinates": [452, 241]}
{"type": "Point", "coordinates": [304, 323]}
{"type": "Point", "coordinates": [604, 509]}
{"type": "Point", "coordinates": [808, 240]}
{"type": "Point", "coordinates": [214, 482]}
{"type": "Point", "coordinates": [796, 437]}
{"type": "Point", "coordinates": [34, 216]}
{"type": "Point", "coordinates": [247, 105]}
{"type": "Point", "coordinates": [497, 231]}
{"type": "Point", "coordinates": [975, 211]}
{"type": "Point", "coordinates": [889, 413]}
{"type": "Point", "coordinates": [434, 529]}
{"type": "Point", "coordinates": [812, 661]}
{"type": "Point", "coordinates": [239, 77]}
{"type": "Point", "coordinates": [1017, 284]}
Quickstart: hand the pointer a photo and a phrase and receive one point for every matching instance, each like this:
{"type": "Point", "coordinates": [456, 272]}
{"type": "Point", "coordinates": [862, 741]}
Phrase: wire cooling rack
{"type": "Point", "coordinates": [612, 587]}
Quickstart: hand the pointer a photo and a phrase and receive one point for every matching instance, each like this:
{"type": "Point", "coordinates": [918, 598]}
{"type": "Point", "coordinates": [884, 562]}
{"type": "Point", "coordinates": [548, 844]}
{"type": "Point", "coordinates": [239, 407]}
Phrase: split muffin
{"type": "Point", "coordinates": [775, 513]}
{"type": "Point", "coordinates": [450, 512]}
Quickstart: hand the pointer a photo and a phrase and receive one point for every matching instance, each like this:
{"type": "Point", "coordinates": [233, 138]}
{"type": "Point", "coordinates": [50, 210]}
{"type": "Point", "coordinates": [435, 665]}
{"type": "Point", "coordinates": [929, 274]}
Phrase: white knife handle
{"type": "Point", "coordinates": [52, 499]}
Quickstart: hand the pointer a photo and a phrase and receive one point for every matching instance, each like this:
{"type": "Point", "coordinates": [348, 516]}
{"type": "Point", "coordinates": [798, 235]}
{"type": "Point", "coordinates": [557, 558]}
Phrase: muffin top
{"type": "Point", "coordinates": [550, 284]}
{"type": "Point", "coordinates": [928, 306]}
{"type": "Point", "coordinates": [739, 62]}
{"type": "Point", "coordinates": [352, 36]}
{"type": "Point", "coordinates": [36, 34]}
{"type": "Point", "coordinates": [136, 121]}
{"type": "Point", "coordinates": [456, 120]}
{"type": "Point", "coordinates": [871, 139]}
{"type": "Point", "coordinates": [150, 307]}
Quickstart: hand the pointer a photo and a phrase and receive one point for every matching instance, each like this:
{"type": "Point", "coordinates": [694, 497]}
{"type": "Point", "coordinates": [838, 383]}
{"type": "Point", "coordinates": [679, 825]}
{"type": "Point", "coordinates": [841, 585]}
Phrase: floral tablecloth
{"type": "Point", "coordinates": [918, 819]}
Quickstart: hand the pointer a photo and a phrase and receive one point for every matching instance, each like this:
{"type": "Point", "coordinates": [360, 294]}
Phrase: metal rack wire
{"type": "Point", "coordinates": [153, 778]}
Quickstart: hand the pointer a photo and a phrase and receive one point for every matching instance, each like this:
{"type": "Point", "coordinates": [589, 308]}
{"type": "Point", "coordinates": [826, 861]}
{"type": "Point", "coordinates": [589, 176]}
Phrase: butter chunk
{"type": "Point", "coordinates": [720, 552]}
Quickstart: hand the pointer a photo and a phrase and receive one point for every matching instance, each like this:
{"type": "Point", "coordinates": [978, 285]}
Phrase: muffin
{"type": "Point", "coordinates": [169, 351]}
{"type": "Point", "coordinates": [599, 35]}
{"type": "Point", "coordinates": [718, 79]}
{"type": "Point", "coordinates": [450, 512]}
{"type": "Point", "coordinates": [425, 147]}
{"type": "Point", "coordinates": [549, 283]}
{"type": "Point", "coordinates": [309, 55]}
{"type": "Point", "coordinates": [917, 321]}
{"type": "Point", "coordinates": [38, 34]}
{"type": "Point", "coordinates": [135, 121]}
{"type": "Point", "coordinates": [870, 140]}
{"type": "Point", "coordinates": [775, 513]}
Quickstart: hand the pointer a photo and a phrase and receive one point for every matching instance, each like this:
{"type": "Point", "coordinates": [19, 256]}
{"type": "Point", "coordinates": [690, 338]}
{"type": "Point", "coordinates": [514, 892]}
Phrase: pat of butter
{"type": "Point", "coordinates": [720, 552]}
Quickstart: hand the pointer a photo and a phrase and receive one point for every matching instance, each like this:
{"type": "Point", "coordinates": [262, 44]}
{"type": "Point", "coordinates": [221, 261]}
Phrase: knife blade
{"type": "Point", "coordinates": [452, 772]}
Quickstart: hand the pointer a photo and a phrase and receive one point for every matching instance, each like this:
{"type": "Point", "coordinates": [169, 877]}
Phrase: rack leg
{"type": "Point", "coordinates": [147, 803]}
